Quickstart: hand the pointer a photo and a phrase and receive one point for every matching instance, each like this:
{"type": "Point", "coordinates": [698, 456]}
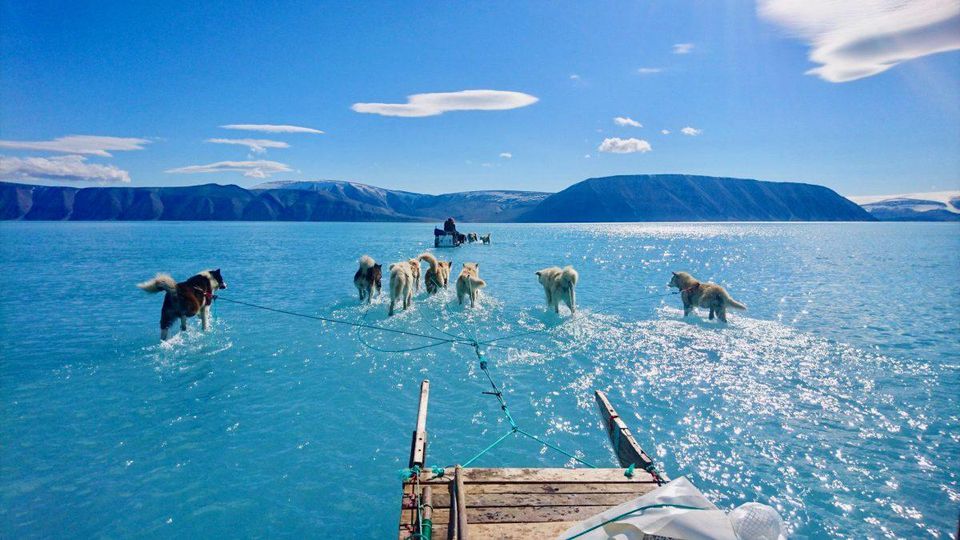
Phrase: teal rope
{"type": "Point", "coordinates": [634, 511]}
{"type": "Point", "coordinates": [489, 448]}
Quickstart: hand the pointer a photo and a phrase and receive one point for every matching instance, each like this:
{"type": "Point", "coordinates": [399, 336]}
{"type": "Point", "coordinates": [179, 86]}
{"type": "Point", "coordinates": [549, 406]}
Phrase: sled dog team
{"type": "Point", "coordinates": [195, 295]}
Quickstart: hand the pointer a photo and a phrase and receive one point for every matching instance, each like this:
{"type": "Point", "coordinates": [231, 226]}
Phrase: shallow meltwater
{"type": "Point", "coordinates": [834, 398]}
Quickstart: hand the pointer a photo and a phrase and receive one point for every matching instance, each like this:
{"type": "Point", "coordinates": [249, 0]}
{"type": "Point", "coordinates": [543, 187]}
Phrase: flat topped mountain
{"type": "Point", "coordinates": [673, 197]}
{"type": "Point", "coordinates": [664, 197]}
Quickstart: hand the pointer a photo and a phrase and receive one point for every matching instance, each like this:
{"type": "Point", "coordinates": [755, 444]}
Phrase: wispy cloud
{"type": "Point", "coordinates": [648, 70]}
{"type": "Point", "coordinates": [433, 104]}
{"type": "Point", "coordinates": [252, 169]}
{"type": "Point", "coordinates": [682, 48]}
{"type": "Point", "coordinates": [626, 121]}
{"type": "Point", "coordinates": [853, 40]}
{"type": "Point", "coordinates": [80, 144]}
{"type": "Point", "coordinates": [272, 128]}
{"type": "Point", "coordinates": [258, 146]}
{"type": "Point", "coordinates": [70, 168]}
{"type": "Point", "coordinates": [665, 131]}
{"type": "Point", "coordinates": [506, 155]}
{"type": "Point", "coordinates": [691, 131]}
{"type": "Point", "coordinates": [617, 145]}
{"type": "Point", "coordinates": [574, 77]}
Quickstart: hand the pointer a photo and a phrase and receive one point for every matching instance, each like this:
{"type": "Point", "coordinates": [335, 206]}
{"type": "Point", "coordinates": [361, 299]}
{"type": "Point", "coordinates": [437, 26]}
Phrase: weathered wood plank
{"type": "Point", "coordinates": [517, 514]}
{"type": "Point", "coordinates": [514, 531]}
{"type": "Point", "coordinates": [461, 505]}
{"type": "Point", "coordinates": [548, 488]}
{"type": "Point", "coordinates": [555, 475]}
{"type": "Point", "coordinates": [418, 447]}
{"type": "Point", "coordinates": [624, 444]}
{"type": "Point", "coordinates": [541, 499]}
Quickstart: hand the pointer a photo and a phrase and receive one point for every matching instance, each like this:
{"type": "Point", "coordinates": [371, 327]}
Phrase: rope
{"type": "Point", "coordinates": [440, 340]}
{"type": "Point", "coordinates": [634, 511]}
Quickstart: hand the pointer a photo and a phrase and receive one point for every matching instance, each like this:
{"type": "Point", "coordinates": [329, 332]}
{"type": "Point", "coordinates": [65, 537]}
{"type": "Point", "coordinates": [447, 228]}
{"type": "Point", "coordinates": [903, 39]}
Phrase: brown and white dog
{"type": "Point", "coordinates": [472, 237]}
{"type": "Point", "coordinates": [193, 296]}
{"type": "Point", "coordinates": [469, 283]}
{"type": "Point", "coordinates": [367, 279]}
{"type": "Point", "coordinates": [438, 275]}
{"type": "Point", "coordinates": [401, 284]}
{"type": "Point", "coordinates": [485, 238]}
{"type": "Point", "coordinates": [559, 284]}
{"type": "Point", "coordinates": [694, 293]}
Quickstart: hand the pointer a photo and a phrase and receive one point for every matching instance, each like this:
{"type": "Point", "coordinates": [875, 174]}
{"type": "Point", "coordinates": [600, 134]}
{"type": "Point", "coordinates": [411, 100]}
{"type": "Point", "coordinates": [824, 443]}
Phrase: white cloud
{"type": "Point", "coordinates": [587, 156]}
{"type": "Point", "coordinates": [252, 169]}
{"type": "Point", "coordinates": [665, 131]}
{"type": "Point", "coordinates": [438, 103]}
{"type": "Point", "coordinates": [574, 77]}
{"type": "Point", "coordinates": [648, 70]}
{"type": "Point", "coordinates": [80, 144]}
{"type": "Point", "coordinates": [506, 155]}
{"type": "Point", "coordinates": [258, 146]}
{"type": "Point", "coordinates": [70, 168]}
{"type": "Point", "coordinates": [691, 131]}
{"type": "Point", "coordinates": [853, 40]}
{"type": "Point", "coordinates": [617, 145]}
{"type": "Point", "coordinates": [272, 128]}
{"type": "Point", "coordinates": [682, 48]}
{"type": "Point", "coordinates": [626, 121]}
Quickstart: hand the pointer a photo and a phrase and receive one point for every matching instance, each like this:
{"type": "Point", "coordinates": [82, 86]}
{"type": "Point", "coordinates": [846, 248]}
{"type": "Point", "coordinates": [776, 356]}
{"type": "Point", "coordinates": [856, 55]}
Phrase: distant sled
{"type": "Point", "coordinates": [442, 238]}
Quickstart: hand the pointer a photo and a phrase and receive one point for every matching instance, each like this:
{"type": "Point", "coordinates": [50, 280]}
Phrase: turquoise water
{"type": "Point", "coordinates": [834, 398]}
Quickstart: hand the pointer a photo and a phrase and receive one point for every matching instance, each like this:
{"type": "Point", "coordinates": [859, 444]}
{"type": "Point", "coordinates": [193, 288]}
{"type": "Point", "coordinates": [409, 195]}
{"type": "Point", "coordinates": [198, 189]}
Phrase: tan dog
{"type": "Point", "coordinates": [401, 285]}
{"type": "Point", "coordinates": [693, 293]}
{"type": "Point", "coordinates": [469, 283]}
{"type": "Point", "coordinates": [438, 275]}
{"type": "Point", "coordinates": [559, 284]}
{"type": "Point", "coordinates": [415, 272]}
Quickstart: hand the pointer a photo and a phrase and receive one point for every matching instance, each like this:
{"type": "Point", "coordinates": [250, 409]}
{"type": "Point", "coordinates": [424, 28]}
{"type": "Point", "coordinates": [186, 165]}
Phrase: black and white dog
{"type": "Point", "coordinates": [191, 297]}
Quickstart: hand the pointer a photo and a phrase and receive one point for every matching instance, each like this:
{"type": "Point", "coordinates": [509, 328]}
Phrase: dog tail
{"type": "Point", "coordinates": [569, 276]}
{"type": "Point", "coordinates": [477, 282]}
{"type": "Point", "coordinates": [162, 282]}
{"type": "Point", "coordinates": [729, 301]}
{"type": "Point", "coordinates": [431, 260]}
{"type": "Point", "coordinates": [366, 262]}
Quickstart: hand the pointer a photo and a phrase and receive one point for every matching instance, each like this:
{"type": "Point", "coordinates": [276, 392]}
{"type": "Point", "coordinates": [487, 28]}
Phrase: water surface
{"type": "Point", "coordinates": [834, 398]}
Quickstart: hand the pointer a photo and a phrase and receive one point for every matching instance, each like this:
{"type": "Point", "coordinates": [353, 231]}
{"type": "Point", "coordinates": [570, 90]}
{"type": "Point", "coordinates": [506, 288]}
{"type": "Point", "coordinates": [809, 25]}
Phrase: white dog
{"type": "Point", "coordinates": [559, 284]}
{"type": "Point", "coordinates": [469, 283]}
{"type": "Point", "coordinates": [401, 284]}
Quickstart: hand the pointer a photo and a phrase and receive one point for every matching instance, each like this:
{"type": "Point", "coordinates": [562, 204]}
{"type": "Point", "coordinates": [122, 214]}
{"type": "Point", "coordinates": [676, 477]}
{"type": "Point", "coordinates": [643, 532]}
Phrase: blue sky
{"type": "Point", "coordinates": [879, 115]}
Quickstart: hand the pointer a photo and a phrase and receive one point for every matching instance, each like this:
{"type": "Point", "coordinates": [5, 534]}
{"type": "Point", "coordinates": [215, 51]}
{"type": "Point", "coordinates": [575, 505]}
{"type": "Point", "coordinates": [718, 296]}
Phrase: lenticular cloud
{"type": "Point", "coordinates": [436, 103]}
{"type": "Point", "coordinates": [853, 40]}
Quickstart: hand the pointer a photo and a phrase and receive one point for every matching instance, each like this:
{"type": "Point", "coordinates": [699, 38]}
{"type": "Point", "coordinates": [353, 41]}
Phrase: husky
{"type": "Point", "coordinates": [367, 279]}
{"type": "Point", "coordinates": [693, 293]}
{"type": "Point", "coordinates": [472, 237]}
{"type": "Point", "coordinates": [401, 285]}
{"type": "Point", "coordinates": [559, 284]}
{"type": "Point", "coordinates": [485, 238]}
{"type": "Point", "coordinates": [438, 275]}
{"type": "Point", "coordinates": [469, 283]}
{"type": "Point", "coordinates": [415, 272]}
{"type": "Point", "coordinates": [193, 296]}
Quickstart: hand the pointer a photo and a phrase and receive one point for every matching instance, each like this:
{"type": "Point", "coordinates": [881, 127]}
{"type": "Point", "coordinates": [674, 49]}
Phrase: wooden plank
{"type": "Point", "coordinates": [461, 505]}
{"type": "Point", "coordinates": [418, 447]}
{"type": "Point", "coordinates": [517, 514]}
{"type": "Point", "coordinates": [540, 499]}
{"type": "Point", "coordinates": [625, 446]}
{"type": "Point", "coordinates": [548, 488]}
{"type": "Point", "coordinates": [514, 531]}
{"type": "Point", "coordinates": [553, 476]}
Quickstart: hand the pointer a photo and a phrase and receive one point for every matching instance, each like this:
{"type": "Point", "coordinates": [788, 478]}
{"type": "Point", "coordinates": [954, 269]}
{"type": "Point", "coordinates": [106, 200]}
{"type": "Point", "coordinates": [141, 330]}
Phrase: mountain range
{"type": "Point", "coordinates": [933, 206]}
{"type": "Point", "coordinates": [662, 197]}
